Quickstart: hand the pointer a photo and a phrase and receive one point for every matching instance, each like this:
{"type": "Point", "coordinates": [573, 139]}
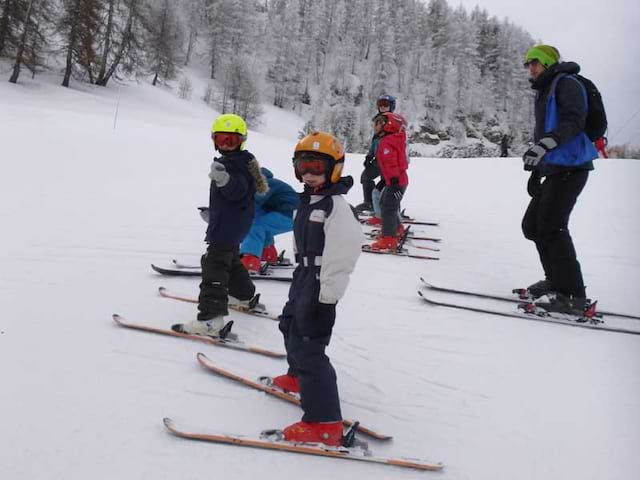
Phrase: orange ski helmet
{"type": "Point", "coordinates": [322, 145]}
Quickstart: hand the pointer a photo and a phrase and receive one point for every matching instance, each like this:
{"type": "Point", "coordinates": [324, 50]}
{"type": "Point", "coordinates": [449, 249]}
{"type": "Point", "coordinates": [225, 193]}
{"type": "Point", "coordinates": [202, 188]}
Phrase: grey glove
{"type": "Point", "coordinates": [533, 156]}
{"type": "Point", "coordinates": [219, 174]}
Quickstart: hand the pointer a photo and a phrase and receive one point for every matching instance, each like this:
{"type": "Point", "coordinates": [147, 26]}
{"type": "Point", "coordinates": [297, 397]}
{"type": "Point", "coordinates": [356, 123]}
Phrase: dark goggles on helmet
{"type": "Point", "coordinates": [533, 61]}
{"type": "Point", "coordinates": [310, 163]}
{"type": "Point", "coordinates": [227, 140]}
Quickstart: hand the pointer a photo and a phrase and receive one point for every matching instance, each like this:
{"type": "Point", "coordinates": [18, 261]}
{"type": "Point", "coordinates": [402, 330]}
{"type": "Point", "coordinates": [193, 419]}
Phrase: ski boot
{"type": "Point", "coordinates": [539, 289]}
{"type": "Point", "coordinates": [270, 255]}
{"type": "Point", "coordinates": [252, 304]}
{"type": "Point", "coordinates": [214, 327]}
{"type": "Point", "coordinates": [287, 383]}
{"type": "Point", "coordinates": [327, 433]}
{"type": "Point", "coordinates": [364, 207]}
{"type": "Point", "coordinates": [566, 304]}
{"type": "Point", "coordinates": [251, 263]}
{"type": "Point", "coordinates": [386, 244]}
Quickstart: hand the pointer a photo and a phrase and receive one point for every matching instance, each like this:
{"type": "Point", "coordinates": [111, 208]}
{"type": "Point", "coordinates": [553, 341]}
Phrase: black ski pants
{"type": "Point", "coordinates": [546, 223]}
{"type": "Point", "coordinates": [390, 211]}
{"type": "Point", "coordinates": [367, 179]}
{"type": "Point", "coordinates": [306, 325]}
{"type": "Point", "coordinates": [222, 274]}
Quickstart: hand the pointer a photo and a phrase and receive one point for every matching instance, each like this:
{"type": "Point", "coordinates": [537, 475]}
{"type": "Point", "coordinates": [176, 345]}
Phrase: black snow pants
{"type": "Point", "coordinates": [390, 211]}
{"type": "Point", "coordinates": [546, 224]}
{"type": "Point", "coordinates": [222, 274]}
{"type": "Point", "coordinates": [367, 179]}
{"type": "Point", "coordinates": [307, 325]}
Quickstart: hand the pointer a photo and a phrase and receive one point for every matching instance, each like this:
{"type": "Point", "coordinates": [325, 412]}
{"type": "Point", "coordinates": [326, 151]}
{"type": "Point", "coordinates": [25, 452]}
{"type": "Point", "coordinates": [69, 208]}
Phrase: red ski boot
{"type": "Point", "coordinates": [386, 244]}
{"type": "Point", "coordinates": [374, 221]}
{"type": "Point", "coordinates": [270, 254]}
{"type": "Point", "coordinates": [329, 433]}
{"type": "Point", "coordinates": [287, 383]}
{"type": "Point", "coordinates": [251, 263]}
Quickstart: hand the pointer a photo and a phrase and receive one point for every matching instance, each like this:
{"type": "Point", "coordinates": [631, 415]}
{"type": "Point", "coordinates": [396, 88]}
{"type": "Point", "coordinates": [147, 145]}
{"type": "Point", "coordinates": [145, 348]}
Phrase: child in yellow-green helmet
{"type": "Point", "coordinates": [235, 178]}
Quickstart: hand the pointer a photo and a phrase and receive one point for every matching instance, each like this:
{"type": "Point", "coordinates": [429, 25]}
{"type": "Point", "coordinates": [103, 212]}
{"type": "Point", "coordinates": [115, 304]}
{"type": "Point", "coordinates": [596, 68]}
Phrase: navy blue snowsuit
{"type": "Point", "coordinates": [231, 210]}
{"type": "Point", "coordinates": [307, 323]}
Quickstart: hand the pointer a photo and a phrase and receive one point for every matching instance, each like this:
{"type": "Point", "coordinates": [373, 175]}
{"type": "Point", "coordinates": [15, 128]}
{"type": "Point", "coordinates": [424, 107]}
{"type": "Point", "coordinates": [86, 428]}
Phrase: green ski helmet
{"type": "Point", "coordinates": [545, 54]}
{"type": "Point", "coordinates": [230, 123]}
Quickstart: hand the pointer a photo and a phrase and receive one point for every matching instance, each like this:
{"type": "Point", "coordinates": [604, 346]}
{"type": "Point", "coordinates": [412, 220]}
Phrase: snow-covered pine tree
{"type": "Point", "coordinates": [78, 25]}
{"type": "Point", "coordinates": [36, 27]}
{"type": "Point", "coordinates": [163, 41]}
{"type": "Point", "coordinates": [120, 39]}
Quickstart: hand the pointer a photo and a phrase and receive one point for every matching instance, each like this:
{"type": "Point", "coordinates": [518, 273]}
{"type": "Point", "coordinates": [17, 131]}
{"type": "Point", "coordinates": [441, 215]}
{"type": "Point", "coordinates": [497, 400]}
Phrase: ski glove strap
{"type": "Point", "coordinates": [532, 157]}
{"type": "Point", "coordinates": [219, 174]}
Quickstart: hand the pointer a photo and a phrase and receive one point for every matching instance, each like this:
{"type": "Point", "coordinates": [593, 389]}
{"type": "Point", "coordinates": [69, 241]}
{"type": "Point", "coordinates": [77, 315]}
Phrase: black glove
{"type": "Point", "coordinates": [322, 325]}
{"type": "Point", "coordinates": [326, 312]}
{"type": "Point", "coordinates": [533, 185]}
{"type": "Point", "coordinates": [368, 160]}
{"type": "Point", "coordinates": [533, 156]}
{"type": "Point", "coordinates": [395, 189]}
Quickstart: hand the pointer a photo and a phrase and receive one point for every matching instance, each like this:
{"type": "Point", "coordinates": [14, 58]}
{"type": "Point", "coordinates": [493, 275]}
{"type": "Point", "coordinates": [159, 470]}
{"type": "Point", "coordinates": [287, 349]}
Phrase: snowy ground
{"type": "Point", "coordinates": [85, 209]}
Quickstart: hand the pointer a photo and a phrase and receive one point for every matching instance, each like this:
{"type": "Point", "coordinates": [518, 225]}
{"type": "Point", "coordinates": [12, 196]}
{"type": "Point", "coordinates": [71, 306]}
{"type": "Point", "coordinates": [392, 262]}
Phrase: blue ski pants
{"type": "Point", "coordinates": [265, 226]}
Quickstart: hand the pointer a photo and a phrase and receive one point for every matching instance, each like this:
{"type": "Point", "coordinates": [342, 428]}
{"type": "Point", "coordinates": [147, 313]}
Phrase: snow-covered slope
{"type": "Point", "coordinates": [85, 209]}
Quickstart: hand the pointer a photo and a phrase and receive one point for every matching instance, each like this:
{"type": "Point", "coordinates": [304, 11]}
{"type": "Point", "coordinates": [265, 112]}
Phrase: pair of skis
{"type": "Point", "coordinates": [216, 341]}
{"type": "Point", "coordinates": [254, 308]}
{"type": "Point", "coordinates": [266, 272]}
{"type": "Point", "coordinates": [528, 309]}
{"type": "Point", "coordinates": [364, 215]}
{"type": "Point", "coordinates": [375, 233]}
{"type": "Point", "coordinates": [400, 251]}
{"type": "Point", "coordinates": [268, 441]}
{"type": "Point", "coordinates": [273, 439]}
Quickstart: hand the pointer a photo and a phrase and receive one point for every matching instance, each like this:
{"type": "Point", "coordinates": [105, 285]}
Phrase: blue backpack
{"type": "Point", "coordinates": [579, 149]}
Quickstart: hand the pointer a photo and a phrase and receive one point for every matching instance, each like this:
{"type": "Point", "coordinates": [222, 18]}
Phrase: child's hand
{"type": "Point", "coordinates": [394, 189]}
{"type": "Point", "coordinates": [219, 174]}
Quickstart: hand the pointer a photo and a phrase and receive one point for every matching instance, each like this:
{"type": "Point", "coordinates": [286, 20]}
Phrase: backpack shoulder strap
{"type": "Point", "coordinates": [580, 84]}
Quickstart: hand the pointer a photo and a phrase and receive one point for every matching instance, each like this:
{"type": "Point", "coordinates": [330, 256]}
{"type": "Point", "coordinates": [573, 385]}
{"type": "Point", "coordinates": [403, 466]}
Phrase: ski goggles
{"type": "Point", "coordinates": [227, 140]}
{"type": "Point", "coordinates": [310, 164]}
{"type": "Point", "coordinates": [384, 103]}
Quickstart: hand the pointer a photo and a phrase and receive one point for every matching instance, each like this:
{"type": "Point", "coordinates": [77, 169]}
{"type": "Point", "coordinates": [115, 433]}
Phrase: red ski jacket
{"type": "Point", "coordinates": [392, 158]}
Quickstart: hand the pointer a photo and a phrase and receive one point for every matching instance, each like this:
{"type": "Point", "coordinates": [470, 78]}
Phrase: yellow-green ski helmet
{"type": "Point", "coordinates": [230, 123]}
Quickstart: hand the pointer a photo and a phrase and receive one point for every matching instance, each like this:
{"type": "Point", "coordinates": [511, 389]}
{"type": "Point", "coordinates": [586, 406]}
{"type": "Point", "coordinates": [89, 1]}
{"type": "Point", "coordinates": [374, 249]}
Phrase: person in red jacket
{"type": "Point", "coordinates": [392, 161]}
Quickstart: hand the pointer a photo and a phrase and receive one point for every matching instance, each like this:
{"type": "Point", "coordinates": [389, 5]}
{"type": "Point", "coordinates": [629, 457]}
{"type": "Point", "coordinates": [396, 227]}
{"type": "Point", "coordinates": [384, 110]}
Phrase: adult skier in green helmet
{"type": "Point", "coordinates": [562, 155]}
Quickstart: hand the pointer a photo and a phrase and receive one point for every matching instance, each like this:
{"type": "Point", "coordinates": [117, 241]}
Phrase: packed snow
{"type": "Point", "coordinates": [86, 208]}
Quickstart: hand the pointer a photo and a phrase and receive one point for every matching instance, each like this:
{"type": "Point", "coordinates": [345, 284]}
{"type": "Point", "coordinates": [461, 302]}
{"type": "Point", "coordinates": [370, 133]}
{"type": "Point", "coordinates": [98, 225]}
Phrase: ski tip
{"type": "Point", "coordinates": [168, 423]}
{"type": "Point", "coordinates": [201, 357]}
{"type": "Point", "coordinates": [162, 290]}
{"type": "Point", "coordinates": [116, 318]}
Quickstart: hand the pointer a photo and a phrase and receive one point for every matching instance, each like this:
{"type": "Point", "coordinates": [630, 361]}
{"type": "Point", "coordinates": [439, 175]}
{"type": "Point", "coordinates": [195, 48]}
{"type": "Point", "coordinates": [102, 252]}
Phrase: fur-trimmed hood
{"type": "Point", "coordinates": [261, 182]}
